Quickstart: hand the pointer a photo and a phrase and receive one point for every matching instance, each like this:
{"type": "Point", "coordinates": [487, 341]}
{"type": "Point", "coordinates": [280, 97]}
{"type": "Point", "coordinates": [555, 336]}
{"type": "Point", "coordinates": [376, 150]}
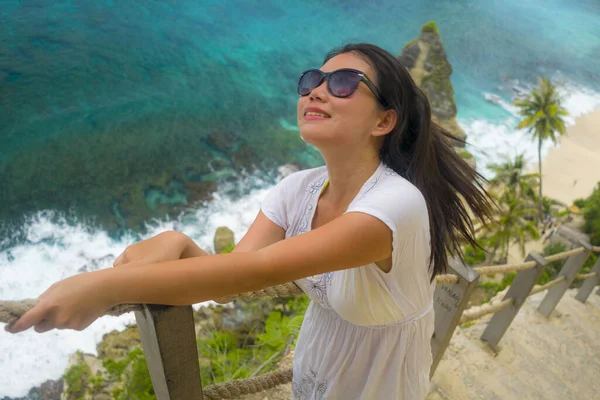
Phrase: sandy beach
{"type": "Point", "coordinates": [572, 169]}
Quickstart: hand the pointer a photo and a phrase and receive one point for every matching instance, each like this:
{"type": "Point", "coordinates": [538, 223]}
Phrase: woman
{"type": "Point", "coordinates": [363, 236]}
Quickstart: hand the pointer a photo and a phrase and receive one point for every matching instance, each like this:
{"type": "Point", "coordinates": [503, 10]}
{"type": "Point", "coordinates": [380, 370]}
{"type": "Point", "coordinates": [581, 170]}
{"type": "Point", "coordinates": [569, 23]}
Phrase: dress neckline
{"type": "Point", "coordinates": [321, 183]}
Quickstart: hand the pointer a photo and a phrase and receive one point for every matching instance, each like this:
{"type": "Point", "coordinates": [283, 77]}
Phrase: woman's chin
{"type": "Point", "coordinates": [315, 136]}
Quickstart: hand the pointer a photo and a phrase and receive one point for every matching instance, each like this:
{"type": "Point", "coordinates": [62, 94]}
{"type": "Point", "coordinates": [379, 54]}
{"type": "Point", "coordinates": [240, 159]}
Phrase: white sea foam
{"type": "Point", "coordinates": [55, 250]}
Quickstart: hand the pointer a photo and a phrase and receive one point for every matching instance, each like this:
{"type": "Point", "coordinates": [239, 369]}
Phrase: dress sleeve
{"type": "Point", "coordinates": [274, 205]}
{"type": "Point", "coordinates": [402, 208]}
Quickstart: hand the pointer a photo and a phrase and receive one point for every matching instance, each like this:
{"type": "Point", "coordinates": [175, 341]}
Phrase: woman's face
{"type": "Point", "coordinates": [349, 120]}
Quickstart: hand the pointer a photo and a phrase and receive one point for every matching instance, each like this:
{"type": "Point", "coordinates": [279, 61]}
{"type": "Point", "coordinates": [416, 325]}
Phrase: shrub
{"type": "Point", "coordinates": [76, 378]}
{"type": "Point", "coordinates": [431, 26]}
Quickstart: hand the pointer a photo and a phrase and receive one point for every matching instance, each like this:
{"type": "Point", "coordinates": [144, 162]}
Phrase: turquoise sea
{"type": "Point", "coordinates": [119, 120]}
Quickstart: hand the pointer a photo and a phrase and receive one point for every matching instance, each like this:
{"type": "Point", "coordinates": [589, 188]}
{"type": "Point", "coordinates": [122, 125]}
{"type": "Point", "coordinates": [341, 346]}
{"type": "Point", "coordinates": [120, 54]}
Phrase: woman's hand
{"type": "Point", "coordinates": [73, 303]}
{"type": "Point", "coordinates": [166, 246]}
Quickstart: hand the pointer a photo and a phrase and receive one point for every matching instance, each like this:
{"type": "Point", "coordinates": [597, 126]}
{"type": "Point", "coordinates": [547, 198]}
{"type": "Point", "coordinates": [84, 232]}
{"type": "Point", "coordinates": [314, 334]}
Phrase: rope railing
{"type": "Point", "coordinates": [496, 269]}
{"type": "Point", "coordinates": [585, 276]}
{"type": "Point", "coordinates": [287, 289]}
{"type": "Point", "coordinates": [237, 387]}
{"type": "Point", "coordinates": [11, 310]}
{"type": "Point", "coordinates": [546, 286]}
{"type": "Point", "coordinates": [564, 254]}
{"type": "Point", "coordinates": [478, 312]}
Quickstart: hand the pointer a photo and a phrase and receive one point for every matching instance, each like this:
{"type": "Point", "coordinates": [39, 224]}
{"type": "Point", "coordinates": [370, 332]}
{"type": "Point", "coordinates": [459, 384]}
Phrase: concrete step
{"type": "Point", "coordinates": [538, 357]}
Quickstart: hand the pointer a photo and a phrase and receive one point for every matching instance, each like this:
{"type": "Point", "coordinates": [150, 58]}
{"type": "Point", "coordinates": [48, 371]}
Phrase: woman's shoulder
{"type": "Point", "coordinates": [394, 187]}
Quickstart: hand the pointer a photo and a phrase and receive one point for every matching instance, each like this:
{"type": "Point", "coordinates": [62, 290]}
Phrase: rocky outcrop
{"type": "Point", "coordinates": [117, 344]}
{"type": "Point", "coordinates": [224, 240]}
{"type": "Point", "coordinates": [49, 390]}
{"type": "Point", "coordinates": [426, 60]}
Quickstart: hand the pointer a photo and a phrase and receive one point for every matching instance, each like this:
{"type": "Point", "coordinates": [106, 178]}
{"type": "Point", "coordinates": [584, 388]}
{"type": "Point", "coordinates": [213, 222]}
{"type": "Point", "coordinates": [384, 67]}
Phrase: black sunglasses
{"type": "Point", "coordinates": [340, 83]}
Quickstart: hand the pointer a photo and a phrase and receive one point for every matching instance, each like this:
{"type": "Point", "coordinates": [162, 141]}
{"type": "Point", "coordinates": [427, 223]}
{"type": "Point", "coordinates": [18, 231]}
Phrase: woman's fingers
{"type": "Point", "coordinates": [44, 326]}
{"type": "Point", "coordinates": [119, 260]}
{"type": "Point", "coordinates": [29, 319]}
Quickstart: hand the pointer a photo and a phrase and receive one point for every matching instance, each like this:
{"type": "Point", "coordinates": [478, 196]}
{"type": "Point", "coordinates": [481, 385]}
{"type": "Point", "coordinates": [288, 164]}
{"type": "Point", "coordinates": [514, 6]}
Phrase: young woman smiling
{"type": "Point", "coordinates": [363, 236]}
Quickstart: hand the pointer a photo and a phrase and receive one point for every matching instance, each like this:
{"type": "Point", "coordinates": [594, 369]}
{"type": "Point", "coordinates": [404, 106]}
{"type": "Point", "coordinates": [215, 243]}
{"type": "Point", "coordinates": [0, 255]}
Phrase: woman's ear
{"type": "Point", "coordinates": [386, 123]}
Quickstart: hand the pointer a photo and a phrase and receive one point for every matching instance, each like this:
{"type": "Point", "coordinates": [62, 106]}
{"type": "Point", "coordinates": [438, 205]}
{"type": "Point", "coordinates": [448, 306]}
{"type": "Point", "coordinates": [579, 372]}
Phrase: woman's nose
{"type": "Point", "coordinates": [320, 92]}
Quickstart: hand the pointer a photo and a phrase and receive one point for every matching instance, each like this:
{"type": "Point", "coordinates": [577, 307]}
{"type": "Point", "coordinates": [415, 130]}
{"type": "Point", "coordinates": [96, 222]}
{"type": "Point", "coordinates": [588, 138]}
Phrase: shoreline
{"type": "Point", "coordinates": [571, 169]}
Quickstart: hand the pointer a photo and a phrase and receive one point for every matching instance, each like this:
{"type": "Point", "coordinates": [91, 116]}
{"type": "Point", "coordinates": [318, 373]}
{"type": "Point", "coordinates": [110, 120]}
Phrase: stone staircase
{"type": "Point", "coordinates": [538, 357]}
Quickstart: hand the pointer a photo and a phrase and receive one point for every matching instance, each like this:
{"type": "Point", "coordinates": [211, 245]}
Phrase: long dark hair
{"type": "Point", "coordinates": [421, 152]}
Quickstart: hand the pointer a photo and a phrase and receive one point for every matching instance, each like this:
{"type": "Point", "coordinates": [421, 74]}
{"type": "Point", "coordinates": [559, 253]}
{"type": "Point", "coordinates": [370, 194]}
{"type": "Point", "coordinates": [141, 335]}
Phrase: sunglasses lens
{"type": "Point", "coordinates": [343, 83]}
{"type": "Point", "coordinates": [310, 80]}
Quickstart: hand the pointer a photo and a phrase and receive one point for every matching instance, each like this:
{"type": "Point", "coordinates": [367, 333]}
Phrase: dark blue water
{"type": "Point", "coordinates": [108, 108]}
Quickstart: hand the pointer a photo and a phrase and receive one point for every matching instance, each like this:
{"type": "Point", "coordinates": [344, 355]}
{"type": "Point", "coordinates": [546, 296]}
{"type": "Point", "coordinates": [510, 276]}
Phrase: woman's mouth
{"type": "Point", "coordinates": [315, 115]}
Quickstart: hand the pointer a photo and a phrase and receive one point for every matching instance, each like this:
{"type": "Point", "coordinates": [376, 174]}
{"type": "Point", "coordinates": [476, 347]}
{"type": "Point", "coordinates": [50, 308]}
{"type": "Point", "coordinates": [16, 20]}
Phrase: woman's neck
{"type": "Point", "coordinates": [346, 177]}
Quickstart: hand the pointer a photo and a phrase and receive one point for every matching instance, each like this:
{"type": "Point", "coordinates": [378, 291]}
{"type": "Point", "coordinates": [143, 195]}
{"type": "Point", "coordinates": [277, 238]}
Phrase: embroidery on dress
{"type": "Point", "coordinates": [390, 172]}
{"type": "Point", "coordinates": [308, 385]}
{"type": "Point", "coordinates": [313, 188]}
{"type": "Point", "coordinates": [318, 285]}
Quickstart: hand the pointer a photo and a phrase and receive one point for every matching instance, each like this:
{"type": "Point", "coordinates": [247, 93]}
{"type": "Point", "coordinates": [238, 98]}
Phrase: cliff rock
{"type": "Point", "coordinates": [426, 60]}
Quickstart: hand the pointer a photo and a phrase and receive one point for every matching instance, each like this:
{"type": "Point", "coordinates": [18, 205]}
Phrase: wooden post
{"type": "Point", "coordinates": [588, 285]}
{"type": "Point", "coordinates": [169, 342]}
{"type": "Point", "coordinates": [449, 304]}
{"type": "Point", "coordinates": [569, 270]}
{"type": "Point", "coordinates": [518, 291]}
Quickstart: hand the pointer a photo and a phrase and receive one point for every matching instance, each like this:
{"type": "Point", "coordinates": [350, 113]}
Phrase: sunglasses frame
{"type": "Point", "coordinates": [363, 78]}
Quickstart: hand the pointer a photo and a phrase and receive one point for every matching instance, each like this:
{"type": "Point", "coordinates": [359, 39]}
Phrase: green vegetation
{"type": "Point", "coordinates": [439, 77]}
{"type": "Point", "coordinates": [544, 119]}
{"type": "Point", "coordinates": [76, 379]}
{"type": "Point", "coordinates": [130, 376]}
{"type": "Point", "coordinates": [473, 255]}
{"type": "Point", "coordinates": [492, 288]}
{"type": "Point", "coordinates": [514, 218]}
{"type": "Point", "coordinates": [431, 27]}
{"type": "Point", "coordinates": [465, 154]}
{"type": "Point", "coordinates": [223, 355]}
{"type": "Point", "coordinates": [590, 209]}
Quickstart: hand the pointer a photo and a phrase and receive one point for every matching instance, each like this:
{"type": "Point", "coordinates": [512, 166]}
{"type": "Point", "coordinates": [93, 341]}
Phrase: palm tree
{"type": "Point", "coordinates": [544, 119]}
{"type": "Point", "coordinates": [511, 224]}
{"type": "Point", "coordinates": [515, 193]}
{"type": "Point", "coordinates": [510, 177]}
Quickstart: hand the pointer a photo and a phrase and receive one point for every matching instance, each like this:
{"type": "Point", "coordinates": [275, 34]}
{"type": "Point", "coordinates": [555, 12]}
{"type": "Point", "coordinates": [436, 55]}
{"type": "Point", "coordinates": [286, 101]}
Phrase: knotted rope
{"type": "Point", "coordinates": [238, 387]}
{"type": "Point", "coordinates": [287, 289]}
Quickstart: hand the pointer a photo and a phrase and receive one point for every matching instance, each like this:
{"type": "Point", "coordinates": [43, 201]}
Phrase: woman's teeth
{"type": "Point", "coordinates": [314, 114]}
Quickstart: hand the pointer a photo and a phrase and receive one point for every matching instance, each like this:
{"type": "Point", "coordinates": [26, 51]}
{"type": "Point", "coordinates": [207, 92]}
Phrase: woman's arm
{"type": "Point", "coordinates": [351, 240]}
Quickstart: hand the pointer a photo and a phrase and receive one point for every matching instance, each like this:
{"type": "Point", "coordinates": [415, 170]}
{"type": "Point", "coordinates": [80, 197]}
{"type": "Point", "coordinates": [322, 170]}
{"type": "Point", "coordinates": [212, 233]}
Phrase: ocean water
{"type": "Point", "coordinates": [119, 120]}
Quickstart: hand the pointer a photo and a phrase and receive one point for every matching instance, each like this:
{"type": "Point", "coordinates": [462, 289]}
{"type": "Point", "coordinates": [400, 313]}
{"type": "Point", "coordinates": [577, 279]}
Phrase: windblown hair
{"type": "Point", "coordinates": [421, 152]}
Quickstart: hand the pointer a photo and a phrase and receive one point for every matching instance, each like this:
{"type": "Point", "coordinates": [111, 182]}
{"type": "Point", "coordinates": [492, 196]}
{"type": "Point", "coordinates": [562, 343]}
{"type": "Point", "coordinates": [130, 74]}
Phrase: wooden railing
{"type": "Point", "coordinates": [169, 343]}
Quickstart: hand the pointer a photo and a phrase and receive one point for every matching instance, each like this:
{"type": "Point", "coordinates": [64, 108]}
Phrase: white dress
{"type": "Point", "coordinates": [366, 334]}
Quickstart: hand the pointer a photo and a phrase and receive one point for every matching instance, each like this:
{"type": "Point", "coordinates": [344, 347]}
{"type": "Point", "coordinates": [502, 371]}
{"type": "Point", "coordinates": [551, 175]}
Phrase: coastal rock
{"type": "Point", "coordinates": [287, 169]}
{"type": "Point", "coordinates": [426, 60]}
{"type": "Point", "coordinates": [226, 142]}
{"type": "Point", "coordinates": [224, 239]}
{"type": "Point", "coordinates": [117, 344]}
{"type": "Point", "coordinates": [49, 390]}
